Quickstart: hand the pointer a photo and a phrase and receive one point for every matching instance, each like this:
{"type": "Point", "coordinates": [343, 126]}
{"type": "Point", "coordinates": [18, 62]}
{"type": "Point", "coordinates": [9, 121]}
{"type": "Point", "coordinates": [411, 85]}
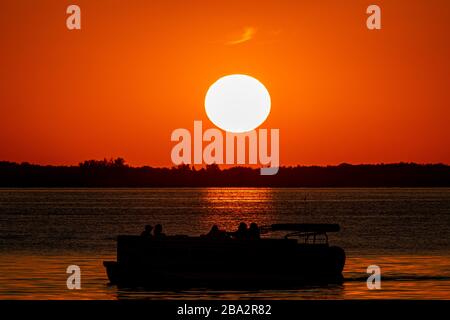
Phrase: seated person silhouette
{"type": "Point", "coordinates": [216, 233]}
{"type": "Point", "coordinates": [157, 232]}
{"type": "Point", "coordinates": [147, 231]}
{"type": "Point", "coordinates": [253, 232]}
{"type": "Point", "coordinates": [242, 232]}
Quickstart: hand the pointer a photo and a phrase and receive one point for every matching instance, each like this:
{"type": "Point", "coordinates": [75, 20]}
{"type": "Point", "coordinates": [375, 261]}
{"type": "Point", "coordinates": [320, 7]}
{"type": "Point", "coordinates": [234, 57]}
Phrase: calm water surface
{"type": "Point", "coordinates": [406, 232]}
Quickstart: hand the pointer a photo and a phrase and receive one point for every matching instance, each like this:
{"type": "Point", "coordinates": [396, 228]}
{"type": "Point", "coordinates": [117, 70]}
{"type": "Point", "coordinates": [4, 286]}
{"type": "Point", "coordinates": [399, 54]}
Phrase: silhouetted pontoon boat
{"type": "Point", "coordinates": [183, 261]}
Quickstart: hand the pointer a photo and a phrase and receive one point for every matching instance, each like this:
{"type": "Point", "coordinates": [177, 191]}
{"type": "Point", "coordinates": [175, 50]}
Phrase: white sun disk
{"type": "Point", "coordinates": [237, 103]}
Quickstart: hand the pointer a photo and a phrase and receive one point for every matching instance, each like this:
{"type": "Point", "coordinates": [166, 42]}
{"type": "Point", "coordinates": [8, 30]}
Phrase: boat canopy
{"type": "Point", "coordinates": [304, 227]}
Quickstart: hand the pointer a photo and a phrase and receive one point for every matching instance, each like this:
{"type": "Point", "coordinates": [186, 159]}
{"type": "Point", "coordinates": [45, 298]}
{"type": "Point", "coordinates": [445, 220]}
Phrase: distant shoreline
{"type": "Point", "coordinates": [116, 174]}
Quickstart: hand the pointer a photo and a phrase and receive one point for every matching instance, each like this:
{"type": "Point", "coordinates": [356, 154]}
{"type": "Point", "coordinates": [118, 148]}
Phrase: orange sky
{"type": "Point", "coordinates": [140, 69]}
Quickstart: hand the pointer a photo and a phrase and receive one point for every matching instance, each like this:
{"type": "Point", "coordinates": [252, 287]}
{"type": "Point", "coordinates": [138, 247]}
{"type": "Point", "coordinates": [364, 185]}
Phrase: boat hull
{"type": "Point", "coordinates": [196, 262]}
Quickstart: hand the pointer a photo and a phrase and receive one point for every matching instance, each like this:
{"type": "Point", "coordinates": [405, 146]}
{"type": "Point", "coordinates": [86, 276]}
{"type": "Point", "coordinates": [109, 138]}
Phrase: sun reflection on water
{"type": "Point", "coordinates": [228, 207]}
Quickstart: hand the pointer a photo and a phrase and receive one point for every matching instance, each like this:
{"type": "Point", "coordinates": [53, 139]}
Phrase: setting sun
{"type": "Point", "coordinates": [237, 103]}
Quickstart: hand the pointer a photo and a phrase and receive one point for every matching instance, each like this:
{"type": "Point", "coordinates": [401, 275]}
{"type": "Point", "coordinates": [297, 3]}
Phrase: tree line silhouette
{"type": "Point", "coordinates": [116, 173]}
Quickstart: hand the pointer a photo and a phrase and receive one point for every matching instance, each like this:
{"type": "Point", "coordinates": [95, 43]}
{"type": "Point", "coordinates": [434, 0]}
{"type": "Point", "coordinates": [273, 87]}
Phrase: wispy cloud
{"type": "Point", "coordinates": [246, 35]}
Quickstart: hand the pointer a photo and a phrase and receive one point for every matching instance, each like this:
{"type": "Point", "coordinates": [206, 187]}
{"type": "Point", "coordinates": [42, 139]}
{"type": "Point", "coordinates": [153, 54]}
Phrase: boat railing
{"type": "Point", "coordinates": [309, 233]}
{"type": "Point", "coordinates": [309, 237]}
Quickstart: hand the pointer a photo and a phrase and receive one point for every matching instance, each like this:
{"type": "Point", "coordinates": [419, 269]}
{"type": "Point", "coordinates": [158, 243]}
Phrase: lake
{"type": "Point", "coordinates": [406, 232]}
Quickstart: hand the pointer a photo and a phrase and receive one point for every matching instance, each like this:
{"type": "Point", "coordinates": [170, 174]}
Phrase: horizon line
{"type": "Point", "coordinates": [222, 166]}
